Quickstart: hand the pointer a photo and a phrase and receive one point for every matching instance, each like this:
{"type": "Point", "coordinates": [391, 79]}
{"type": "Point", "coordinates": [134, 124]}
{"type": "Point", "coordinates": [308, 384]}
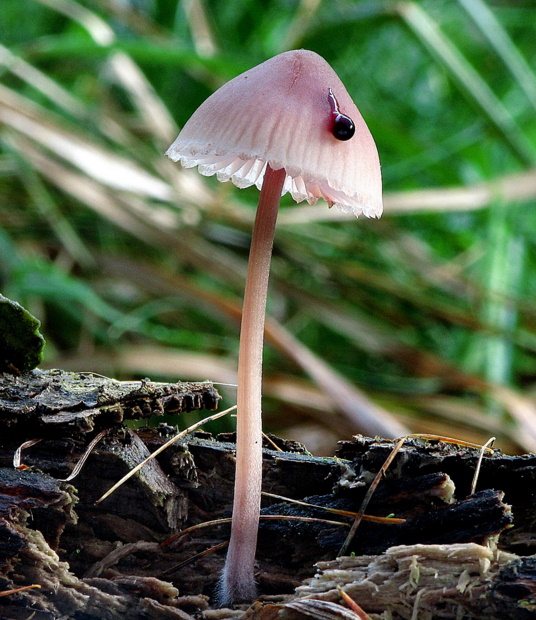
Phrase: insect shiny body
{"type": "Point", "coordinates": [342, 127]}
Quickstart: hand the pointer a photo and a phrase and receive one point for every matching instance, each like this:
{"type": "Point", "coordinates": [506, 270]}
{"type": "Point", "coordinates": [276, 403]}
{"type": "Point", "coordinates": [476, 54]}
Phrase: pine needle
{"type": "Point", "coordinates": [352, 604]}
{"type": "Point", "coordinates": [17, 590]}
{"type": "Point", "coordinates": [456, 442]}
{"type": "Point", "coordinates": [275, 446]}
{"type": "Point", "coordinates": [336, 511]}
{"type": "Point", "coordinates": [216, 522]}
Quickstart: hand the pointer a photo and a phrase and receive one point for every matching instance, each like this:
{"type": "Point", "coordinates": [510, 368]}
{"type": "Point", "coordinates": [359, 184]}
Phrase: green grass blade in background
{"type": "Point", "coordinates": [424, 314]}
{"type": "Point", "coordinates": [499, 39]}
{"type": "Point", "coordinates": [470, 81]}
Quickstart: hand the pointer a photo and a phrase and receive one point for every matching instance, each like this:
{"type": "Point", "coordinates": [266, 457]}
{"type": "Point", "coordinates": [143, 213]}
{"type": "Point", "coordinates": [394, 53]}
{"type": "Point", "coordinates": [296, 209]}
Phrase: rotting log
{"type": "Point", "coordinates": [57, 403]}
{"type": "Point", "coordinates": [126, 557]}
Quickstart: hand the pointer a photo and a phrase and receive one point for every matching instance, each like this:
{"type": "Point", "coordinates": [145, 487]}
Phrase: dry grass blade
{"type": "Point", "coordinates": [336, 511]}
{"type": "Point", "coordinates": [385, 343]}
{"type": "Point", "coordinates": [55, 93]}
{"type": "Point", "coordinates": [155, 360]}
{"type": "Point", "coordinates": [41, 82]}
{"type": "Point", "coordinates": [78, 467]}
{"type": "Point", "coordinates": [364, 415]}
{"type": "Point", "coordinates": [300, 24]}
{"type": "Point", "coordinates": [99, 30]}
{"type": "Point", "coordinates": [18, 453]}
{"type": "Point", "coordinates": [487, 445]}
{"type": "Point", "coordinates": [200, 28]}
{"type": "Point", "coordinates": [153, 111]}
{"type": "Point", "coordinates": [369, 494]}
{"type": "Point", "coordinates": [523, 410]}
{"type": "Point", "coordinates": [190, 429]}
{"type": "Point", "coordinates": [155, 115]}
{"type": "Point", "coordinates": [87, 191]}
{"type": "Point", "coordinates": [103, 166]}
{"type": "Point", "coordinates": [379, 341]}
{"type": "Point", "coordinates": [455, 410]}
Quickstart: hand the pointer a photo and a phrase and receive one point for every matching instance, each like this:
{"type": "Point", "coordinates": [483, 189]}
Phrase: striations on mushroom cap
{"type": "Point", "coordinates": [279, 113]}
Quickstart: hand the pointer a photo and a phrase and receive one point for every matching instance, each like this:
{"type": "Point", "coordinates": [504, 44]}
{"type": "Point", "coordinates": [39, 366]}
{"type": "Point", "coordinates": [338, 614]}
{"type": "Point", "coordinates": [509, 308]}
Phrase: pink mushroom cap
{"type": "Point", "coordinates": [279, 113]}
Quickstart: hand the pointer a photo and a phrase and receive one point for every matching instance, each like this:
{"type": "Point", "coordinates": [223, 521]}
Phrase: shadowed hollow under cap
{"type": "Point", "coordinates": [281, 113]}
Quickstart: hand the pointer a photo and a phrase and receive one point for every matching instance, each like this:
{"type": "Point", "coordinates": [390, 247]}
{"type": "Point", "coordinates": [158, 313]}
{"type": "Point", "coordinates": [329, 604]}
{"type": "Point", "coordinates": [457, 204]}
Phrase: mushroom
{"type": "Point", "coordinates": [287, 125]}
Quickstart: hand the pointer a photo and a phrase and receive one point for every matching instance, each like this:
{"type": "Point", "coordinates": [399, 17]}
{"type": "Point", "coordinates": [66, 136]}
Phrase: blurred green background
{"type": "Point", "coordinates": [136, 267]}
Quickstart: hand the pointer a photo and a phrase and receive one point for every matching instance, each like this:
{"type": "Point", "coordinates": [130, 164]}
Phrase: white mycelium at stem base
{"type": "Point", "coordinates": [273, 127]}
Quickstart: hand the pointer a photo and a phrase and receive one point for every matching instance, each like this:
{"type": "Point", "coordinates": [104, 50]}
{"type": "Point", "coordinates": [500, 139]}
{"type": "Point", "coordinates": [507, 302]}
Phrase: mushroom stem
{"type": "Point", "coordinates": [238, 582]}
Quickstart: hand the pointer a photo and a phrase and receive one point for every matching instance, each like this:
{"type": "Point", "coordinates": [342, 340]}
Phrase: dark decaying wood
{"type": "Point", "coordinates": [455, 556]}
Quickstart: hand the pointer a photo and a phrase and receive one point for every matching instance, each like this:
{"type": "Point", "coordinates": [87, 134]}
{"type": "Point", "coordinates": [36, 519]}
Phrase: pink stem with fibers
{"type": "Point", "coordinates": [237, 581]}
